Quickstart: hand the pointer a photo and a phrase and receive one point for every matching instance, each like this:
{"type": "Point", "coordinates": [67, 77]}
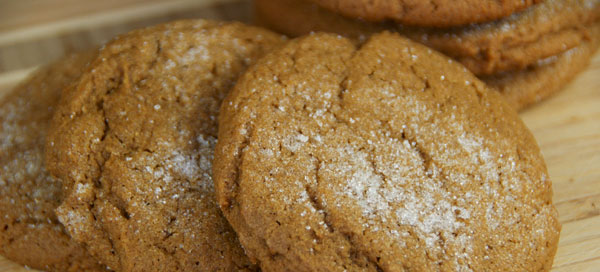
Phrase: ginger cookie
{"type": "Point", "coordinates": [515, 42]}
{"type": "Point", "coordinates": [527, 87]}
{"type": "Point", "coordinates": [30, 233]}
{"type": "Point", "coordinates": [300, 17]}
{"type": "Point", "coordinates": [133, 143]}
{"type": "Point", "coordinates": [384, 156]}
{"type": "Point", "coordinates": [434, 13]}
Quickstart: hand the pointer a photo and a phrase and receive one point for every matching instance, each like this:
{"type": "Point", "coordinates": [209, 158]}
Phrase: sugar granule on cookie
{"type": "Point", "coordinates": [385, 156]}
{"type": "Point", "coordinates": [133, 142]}
{"type": "Point", "coordinates": [30, 232]}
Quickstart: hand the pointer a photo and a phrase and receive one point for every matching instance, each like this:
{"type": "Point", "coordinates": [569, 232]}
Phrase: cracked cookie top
{"type": "Point", "coordinates": [382, 157]}
{"type": "Point", "coordinates": [133, 143]}
{"type": "Point", "coordinates": [435, 13]}
{"type": "Point", "coordinates": [29, 229]}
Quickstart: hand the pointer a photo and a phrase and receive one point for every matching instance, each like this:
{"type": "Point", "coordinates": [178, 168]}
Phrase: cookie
{"type": "Point", "coordinates": [508, 44]}
{"type": "Point", "coordinates": [386, 156]}
{"type": "Point", "coordinates": [526, 87]}
{"type": "Point", "coordinates": [30, 233]}
{"type": "Point", "coordinates": [133, 143]}
{"type": "Point", "coordinates": [299, 17]}
{"type": "Point", "coordinates": [427, 13]}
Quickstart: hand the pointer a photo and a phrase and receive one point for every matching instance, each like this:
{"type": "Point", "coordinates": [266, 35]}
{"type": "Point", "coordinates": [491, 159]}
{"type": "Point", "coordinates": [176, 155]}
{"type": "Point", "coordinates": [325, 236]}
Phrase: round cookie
{"type": "Point", "coordinates": [526, 87]}
{"type": "Point", "coordinates": [30, 233]}
{"type": "Point", "coordinates": [383, 157]}
{"type": "Point", "coordinates": [511, 43]}
{"type": "Point", "coordinates": [435, 13]}
{"type": "Point", "coordinates": [133, 142]}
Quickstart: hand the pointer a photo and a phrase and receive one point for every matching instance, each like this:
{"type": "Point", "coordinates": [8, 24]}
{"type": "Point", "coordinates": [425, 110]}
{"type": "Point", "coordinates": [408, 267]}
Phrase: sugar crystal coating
{"type": "Point", "coordinates": [30, 233]}
{"type": "Point", "coordinates": [379, 158]}
{"type": "Point", "coordinates": [133, 142]}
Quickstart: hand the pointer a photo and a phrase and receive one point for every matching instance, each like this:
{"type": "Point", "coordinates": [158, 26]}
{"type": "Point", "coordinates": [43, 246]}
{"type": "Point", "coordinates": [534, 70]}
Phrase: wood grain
{"type": "Point", "coordinates": [23, 44]}
{"type": "Point", "coordinates": [566, 126]}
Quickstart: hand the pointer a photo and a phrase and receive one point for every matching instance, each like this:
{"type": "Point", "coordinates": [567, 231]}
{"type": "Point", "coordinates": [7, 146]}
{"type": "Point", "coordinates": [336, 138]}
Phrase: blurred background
{"type": "Point", "coordinates": [35, 32]}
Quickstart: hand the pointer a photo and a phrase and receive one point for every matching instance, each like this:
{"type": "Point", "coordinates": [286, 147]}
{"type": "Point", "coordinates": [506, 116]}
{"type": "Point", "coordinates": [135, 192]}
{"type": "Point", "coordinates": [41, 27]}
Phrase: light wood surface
{"type": "Point", "coordinates": [567, 126]}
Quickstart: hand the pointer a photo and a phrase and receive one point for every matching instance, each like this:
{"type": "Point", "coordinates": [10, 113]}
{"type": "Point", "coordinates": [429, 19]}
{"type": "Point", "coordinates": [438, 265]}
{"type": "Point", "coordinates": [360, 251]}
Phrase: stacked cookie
{"type": "Point", "coordinates": [527, 52]}
{"type": "Point", "coordinates": [209, 146]}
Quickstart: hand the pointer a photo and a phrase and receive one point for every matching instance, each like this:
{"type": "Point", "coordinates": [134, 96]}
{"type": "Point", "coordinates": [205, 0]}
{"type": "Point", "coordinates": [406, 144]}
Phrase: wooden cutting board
{"type": "Point", "coordinates": [567, 126]}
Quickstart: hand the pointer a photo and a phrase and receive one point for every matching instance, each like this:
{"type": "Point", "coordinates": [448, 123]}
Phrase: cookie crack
{"type": "Point", "coordinates": [313, 196]}
{"type": "Point", "coordinates": [100, 162]}
{"type": "Point", "coordinates": [238, 160]}
{"type": "Point", "coordinates": [353, 245]}
{"type": "Point", "coordinates": [356, 254]}
{"type": "Point", "coordinates": [232, 189]}
{"type": "Point", "coordinates": [414, 71]}
{"type": "Point", "coordinates": [434, 6]}
{"type": "Point", "coordinates": [425, 157]}
{"type": "Point", "coordinates": [414, 144]}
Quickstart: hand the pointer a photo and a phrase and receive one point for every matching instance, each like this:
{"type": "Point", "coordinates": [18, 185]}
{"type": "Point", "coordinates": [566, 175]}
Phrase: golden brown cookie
{"type": "Point", "coordinates": [30, 233]}
{"type": "Point", "coordinates": [382, 157]}
{"type": "Point", "coordinates": [433, 13]}
{"type": "Point", "coordinates": [133, 142]}
{"type": "Point", "coordinates": [527, 87]}
{"type": "Point", "coordinates": [515, 42]}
